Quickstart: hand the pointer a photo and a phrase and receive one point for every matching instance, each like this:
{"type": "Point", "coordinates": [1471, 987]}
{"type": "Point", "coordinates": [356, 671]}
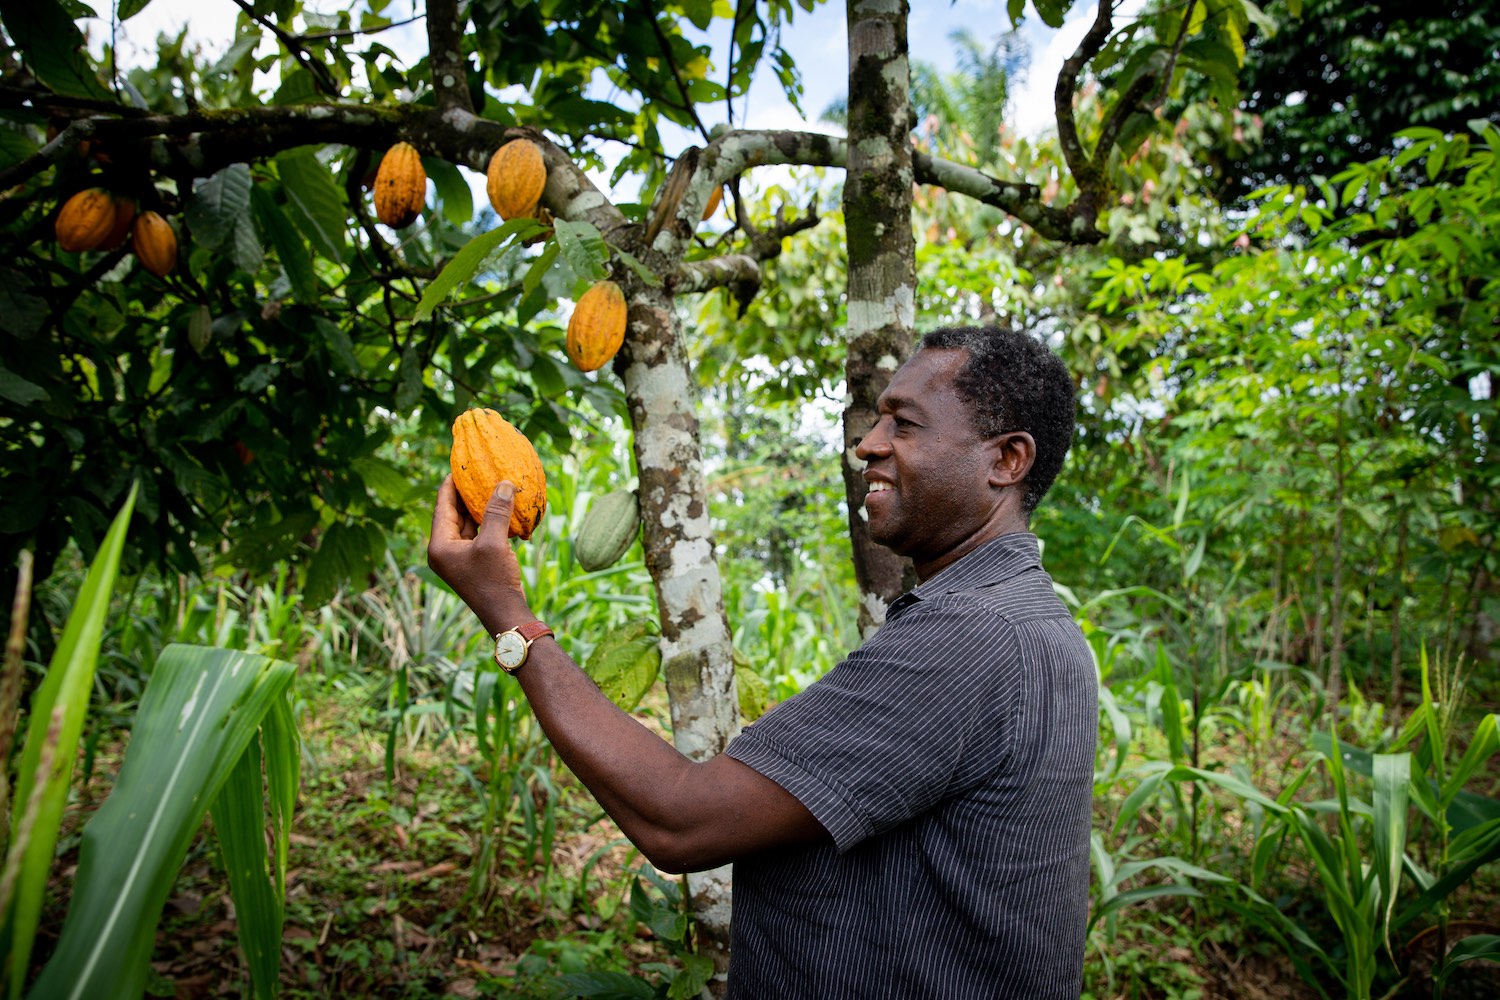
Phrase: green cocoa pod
{"type": "Point", "coordinates": [607, 530]}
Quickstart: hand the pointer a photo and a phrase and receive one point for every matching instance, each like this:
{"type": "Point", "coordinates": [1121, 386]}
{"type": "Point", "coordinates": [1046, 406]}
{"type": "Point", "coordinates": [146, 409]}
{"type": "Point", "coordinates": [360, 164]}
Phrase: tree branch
{"type": "Point", "coordinates": [666, 52]}
{"type": "Point", "coordinates": [320, 73]}
{"type": "Point", "coordinates": [1086, 170]}
{"type": "Point", "coordinates": [445, 47]}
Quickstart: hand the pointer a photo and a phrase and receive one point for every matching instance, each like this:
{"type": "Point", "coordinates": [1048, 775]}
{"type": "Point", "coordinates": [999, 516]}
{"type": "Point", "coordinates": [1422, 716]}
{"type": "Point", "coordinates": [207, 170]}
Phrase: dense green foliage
{"type": "Point", "coordinates": [1277, 526]}
{"type": "Point", "coordinates": [1337, 92]}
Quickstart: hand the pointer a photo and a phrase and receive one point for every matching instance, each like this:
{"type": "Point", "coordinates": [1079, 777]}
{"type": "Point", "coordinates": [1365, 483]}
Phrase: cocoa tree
{"type": "Point", "coordinates": [246, 388]}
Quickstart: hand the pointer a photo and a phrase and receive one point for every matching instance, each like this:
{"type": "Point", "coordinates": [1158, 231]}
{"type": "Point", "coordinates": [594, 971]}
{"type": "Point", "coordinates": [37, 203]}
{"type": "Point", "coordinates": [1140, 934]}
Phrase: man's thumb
{"type": "Point", "coordinates": [497, 511]}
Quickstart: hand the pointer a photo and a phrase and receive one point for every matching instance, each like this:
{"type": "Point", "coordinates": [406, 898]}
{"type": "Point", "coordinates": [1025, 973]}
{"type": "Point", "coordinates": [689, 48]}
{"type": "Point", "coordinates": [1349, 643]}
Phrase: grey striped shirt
{"type": "Point", "coordinates": [951, 758]}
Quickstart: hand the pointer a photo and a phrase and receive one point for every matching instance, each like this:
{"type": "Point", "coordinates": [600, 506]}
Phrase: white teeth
{"type": "Point", "coordinates": [879, 487]}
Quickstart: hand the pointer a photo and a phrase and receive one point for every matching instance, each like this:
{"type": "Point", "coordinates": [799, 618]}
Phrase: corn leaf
{"type": "Point", "coordinates": [197, 717]}
{"type": "Point", "coordinates": [1392, 779]}
{"type": "Point", "coordinates": [66, 691]}
{"type": "Point", "coordinates": [239, 817]}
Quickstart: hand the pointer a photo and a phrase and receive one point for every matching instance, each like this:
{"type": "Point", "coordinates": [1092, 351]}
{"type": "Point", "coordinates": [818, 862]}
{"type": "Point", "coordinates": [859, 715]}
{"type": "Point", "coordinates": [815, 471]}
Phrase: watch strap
{"type": "Point", "coordinates": [532, 631]}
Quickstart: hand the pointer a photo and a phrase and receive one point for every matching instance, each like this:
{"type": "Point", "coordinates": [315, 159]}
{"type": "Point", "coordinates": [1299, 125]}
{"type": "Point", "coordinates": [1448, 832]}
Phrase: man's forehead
{"type": "Point", "coordinates": [928, 371]}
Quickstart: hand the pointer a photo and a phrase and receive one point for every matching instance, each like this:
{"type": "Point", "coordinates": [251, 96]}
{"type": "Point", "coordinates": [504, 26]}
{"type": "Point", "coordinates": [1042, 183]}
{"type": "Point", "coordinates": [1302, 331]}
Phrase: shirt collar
{"type": "Point", "coordinates": [995, 561]}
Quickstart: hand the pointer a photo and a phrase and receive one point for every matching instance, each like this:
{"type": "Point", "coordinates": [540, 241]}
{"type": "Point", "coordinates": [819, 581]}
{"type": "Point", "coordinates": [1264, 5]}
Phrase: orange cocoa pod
{"type": "Point", "coordinates": [155, 243]}
{"type": "Point", "coordinates": [400, 186]}
{"type": "Point", "coordinates": [124, 216]}
{"type": "Point", "coordinates": [713, 203]}
{"type": "Point", "coordinates": [85, 220]}
{"type": "Point", "coordinates": [515, 179]}
{"type": "Point", "coordinates": [488, 449]}
{"type": "Point", "coordinates": [597, 327]}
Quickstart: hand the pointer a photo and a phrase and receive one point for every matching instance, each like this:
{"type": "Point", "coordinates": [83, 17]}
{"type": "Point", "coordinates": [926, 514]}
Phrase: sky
{"type": "Point", "coordinates": [816, 41]}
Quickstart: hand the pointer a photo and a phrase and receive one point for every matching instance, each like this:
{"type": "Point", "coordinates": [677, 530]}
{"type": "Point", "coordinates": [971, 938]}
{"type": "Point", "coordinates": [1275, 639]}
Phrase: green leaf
{"type": "Point", "coordinates": [318, 207]}
{"type": "Point", "coordinates": [1132, 896]}
{"type": "Point", "coordinates": [245, 246]}
{"type": "Point", "coordinates": [239, 819]}
{"type": "Point", "coordinates": [218, 204]}
{"type": "Point", "coordinates": [18, 390]}
{"type": "Point", "coordinates": [14, 147]}
{"type": "Point", "coordinates": [641, 270]}
{"type": "Point", "coordinates": [1392, 779]}
{"type": "Point", "coordinates": [466, 263]}
{"type": "Point", "coordinates": [53, 47]}
{"type": "Point", "coordinates": [1482, 946]}
{"type": "Point", "coordinates": [290, 250]}
{"type": "Point", "coordinates": [583, 248]}
{"type": "Point", "coordinates": [626, 662]}
{"type": "Point", "coordinates": [603, 986]}
{"type": "Point", "coordinates": [130, 8]}
{"type": "Point", "coordinates": [454, 194]}
{"type": "Point", "coordinates": [199, 712]}
{"type": "Point", "coordinates": [697, 970]}
{"type": "Point", "coordinates": [1481, 748]}
{"type": "Point", "coordinates": [538, 269]}
{"type": "Point", "coordinates": [340, 556]}
{"type": "Point", "coordinates": [57, 713]}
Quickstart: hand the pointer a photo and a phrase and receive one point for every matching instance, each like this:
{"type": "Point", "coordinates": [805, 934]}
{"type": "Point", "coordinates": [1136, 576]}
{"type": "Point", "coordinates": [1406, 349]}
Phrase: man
{"type": "Point", "coordinates": [914, 824]}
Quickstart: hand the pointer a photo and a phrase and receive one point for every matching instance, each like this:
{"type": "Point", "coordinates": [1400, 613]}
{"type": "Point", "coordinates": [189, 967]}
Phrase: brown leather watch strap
{"type": "Point", "coordinates": [532, 631]}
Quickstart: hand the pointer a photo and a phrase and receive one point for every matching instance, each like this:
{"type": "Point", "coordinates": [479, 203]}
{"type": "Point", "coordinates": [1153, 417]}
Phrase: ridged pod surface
{"type": "Point", "coordinates": [597, 328]}
{"type": "Point", "coordinates": [124, 217]}
{"type": "Point", "coordinates": [84, 221]}
{"type": "Point", "coordinates": [400, 186]}
{"type": "Point", "coordinates": [607, 530]}
{"type": "Point", "coordinates": [515, 179]}
{"type": "Point", "coordinates": [487, 449]}
{"type": "Point", "coordinates": [155, 243]}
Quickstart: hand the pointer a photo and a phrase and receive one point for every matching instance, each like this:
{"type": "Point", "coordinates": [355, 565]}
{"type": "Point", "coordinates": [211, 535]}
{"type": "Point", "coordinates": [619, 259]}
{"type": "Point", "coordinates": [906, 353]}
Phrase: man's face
{"type": "Point", "coordinates": [927, 467]}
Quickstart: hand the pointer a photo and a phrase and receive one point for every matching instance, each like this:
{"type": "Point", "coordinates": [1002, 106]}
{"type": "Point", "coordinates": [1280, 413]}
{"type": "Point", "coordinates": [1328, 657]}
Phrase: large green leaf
{"type": "Point", "coordinates": [53, 47]}
{"type": "Point", "coordinates": [57, 713]}
{"type": "Point", "coordinates": [197, 718]}
{"type": "Point", "coordinates": [219, 204]}
{"type": "Point", "coordinates": [290, 250]}
{"type": "Point", "coordinates": [318, 208]}
{"type": "Point", "coordinates": [466, 263]}
{"type": "Point", "coordinates": [625, 663]}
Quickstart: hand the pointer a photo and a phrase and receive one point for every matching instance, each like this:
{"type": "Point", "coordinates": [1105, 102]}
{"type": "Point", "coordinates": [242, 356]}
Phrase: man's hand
{"type": "Point", "coordinates": [478, 563]}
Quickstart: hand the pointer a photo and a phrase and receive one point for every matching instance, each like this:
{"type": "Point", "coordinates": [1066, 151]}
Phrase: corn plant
{"type": "Point", "coordinates": [206, 719]}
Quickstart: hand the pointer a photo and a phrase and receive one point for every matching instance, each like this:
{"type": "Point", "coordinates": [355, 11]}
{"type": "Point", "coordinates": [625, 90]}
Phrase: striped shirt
{"type": "Point", "coordinates": [951, 759]}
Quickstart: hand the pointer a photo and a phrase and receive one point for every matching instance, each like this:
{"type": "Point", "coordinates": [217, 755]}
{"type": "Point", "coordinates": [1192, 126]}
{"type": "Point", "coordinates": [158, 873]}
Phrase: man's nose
{"type": "Point", "coordinates": [875, 444]}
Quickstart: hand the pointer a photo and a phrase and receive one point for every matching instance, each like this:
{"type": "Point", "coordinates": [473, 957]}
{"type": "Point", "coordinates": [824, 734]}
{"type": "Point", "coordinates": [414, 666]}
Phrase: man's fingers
{"type": "Point", "coordinates": [497, 511]}
{"type": "Point", "coordinates": [446, 522]}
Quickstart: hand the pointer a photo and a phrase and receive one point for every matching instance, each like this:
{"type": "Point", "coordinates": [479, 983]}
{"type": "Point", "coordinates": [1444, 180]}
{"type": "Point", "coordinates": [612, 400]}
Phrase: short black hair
{"type": "Point", "coordinates": [1012, 382]}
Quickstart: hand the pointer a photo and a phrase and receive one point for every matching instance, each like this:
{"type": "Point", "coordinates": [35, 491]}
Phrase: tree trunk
{"type": "Point", "coordinates": [697, 655]}
{"type": "Point", "coordinates": [882, 267]}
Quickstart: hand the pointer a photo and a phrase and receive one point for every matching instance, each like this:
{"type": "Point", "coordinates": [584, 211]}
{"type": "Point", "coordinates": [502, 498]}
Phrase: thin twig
{"type": "Point", "coordinates": [319, 71]}
{"type": "Point", "coordinates": [666, 51]}
{"type": "Point", "coordinates": [10, 682]}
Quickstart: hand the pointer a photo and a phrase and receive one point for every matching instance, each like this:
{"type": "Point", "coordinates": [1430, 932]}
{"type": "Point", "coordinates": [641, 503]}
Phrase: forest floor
{"type": "Point", "coordinates": [380, 900]}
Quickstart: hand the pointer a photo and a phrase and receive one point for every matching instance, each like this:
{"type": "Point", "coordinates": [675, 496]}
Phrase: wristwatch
{"type": "Point", "coordinates": [512, 645]}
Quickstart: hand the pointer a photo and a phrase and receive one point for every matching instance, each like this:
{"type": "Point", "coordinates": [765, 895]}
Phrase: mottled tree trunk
{"type": "Point", "coordinates": [882, 266]}
{"type": "Point", "coordinates": [697, 655]}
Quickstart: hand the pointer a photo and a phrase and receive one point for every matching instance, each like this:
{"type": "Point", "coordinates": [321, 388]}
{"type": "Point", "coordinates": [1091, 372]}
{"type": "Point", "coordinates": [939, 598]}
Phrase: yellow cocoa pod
{"type": "Point", "coordinates": [400, 186]}
{"type": "Point", "coordinates": [515, 179]}
{"type": "Point", "coordinates": [155, 243]}
{"type": "Point", "coordinates": [487, 449]}
{"type": "Point", "coordinates": [597, 328]}
{"type": "Point", "coordinates": [124, 216]}
{"type": "Point", "coordinates": [85, 219]}
{"type": "Point", "coordinates": [713, 203]}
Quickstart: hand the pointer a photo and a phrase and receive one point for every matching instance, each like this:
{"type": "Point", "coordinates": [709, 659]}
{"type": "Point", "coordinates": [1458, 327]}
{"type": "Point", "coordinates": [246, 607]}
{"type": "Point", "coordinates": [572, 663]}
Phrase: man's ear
{"type": "Point", "coordinates": [1014, 453]}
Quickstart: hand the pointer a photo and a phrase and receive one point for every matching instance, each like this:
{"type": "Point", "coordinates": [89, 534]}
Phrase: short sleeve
{"type": "Point", "coordinates": [919, 713]}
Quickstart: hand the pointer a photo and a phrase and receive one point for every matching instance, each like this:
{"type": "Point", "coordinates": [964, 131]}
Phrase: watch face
{"type": "Point", "coordinates": [510, 650]}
